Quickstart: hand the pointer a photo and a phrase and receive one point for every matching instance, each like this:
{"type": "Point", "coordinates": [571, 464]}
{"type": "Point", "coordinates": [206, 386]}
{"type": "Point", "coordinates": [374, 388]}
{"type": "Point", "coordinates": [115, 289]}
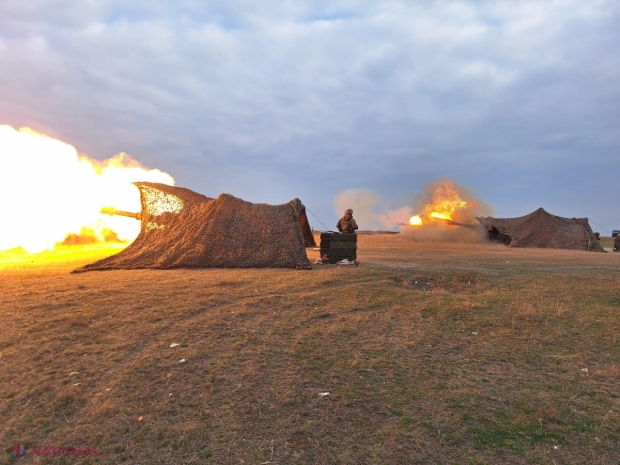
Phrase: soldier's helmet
{"type": "Point", "coordinates": [348, 211]}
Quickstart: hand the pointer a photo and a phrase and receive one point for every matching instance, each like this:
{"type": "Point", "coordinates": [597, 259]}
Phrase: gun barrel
{"type": "Point", "coordinates": [465, 225]}
{"type": "Point", "coordinates": [113, 211]}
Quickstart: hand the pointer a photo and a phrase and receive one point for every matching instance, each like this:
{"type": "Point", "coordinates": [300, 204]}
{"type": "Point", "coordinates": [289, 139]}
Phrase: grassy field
{"type": "Point", "coordinates": [431, 353]}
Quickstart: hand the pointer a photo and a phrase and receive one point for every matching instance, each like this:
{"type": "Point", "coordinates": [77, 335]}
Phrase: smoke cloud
{"type": "Point", "coordinates": [369, 210]}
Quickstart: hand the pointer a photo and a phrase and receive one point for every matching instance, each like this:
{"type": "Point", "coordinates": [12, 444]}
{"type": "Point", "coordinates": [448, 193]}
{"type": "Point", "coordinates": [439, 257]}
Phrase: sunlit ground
{"type": "Point", "coordinates": [431, 353]}
{"type": "Point", "coordinates": [60, 255]}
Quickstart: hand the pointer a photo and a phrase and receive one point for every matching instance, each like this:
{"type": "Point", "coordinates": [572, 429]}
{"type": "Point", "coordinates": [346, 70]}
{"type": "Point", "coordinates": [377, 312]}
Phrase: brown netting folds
{"type": "Point", "coordinates": [542, 229]}
{"type": "Point", "coordinates": [183, 229]}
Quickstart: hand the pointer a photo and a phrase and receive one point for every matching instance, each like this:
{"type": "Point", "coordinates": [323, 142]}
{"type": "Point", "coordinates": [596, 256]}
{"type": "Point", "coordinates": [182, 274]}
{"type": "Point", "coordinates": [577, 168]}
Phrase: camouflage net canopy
{"type": "Point", "coordinates": [183, 229]}
{"type": "Point", "coordinates": [542, 229]}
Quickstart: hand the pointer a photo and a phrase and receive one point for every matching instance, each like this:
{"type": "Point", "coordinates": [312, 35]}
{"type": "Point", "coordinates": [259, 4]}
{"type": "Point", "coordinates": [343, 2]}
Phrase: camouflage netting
{"type": "Point", "coordinates": [542, 229]}
{"type": "Point", "coordinates": [183, 229]}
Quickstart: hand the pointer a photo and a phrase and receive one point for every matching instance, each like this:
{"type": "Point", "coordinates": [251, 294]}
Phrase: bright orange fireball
{"type": "Point", "coordinates": [444, 202]}
{"type": "Point", "coordinates": [53, 195]}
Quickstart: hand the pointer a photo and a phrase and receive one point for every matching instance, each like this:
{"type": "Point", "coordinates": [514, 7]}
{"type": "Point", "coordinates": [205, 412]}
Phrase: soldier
{"type": "Point", "coordinates": [347, 224]}
{"type": "Point", "coordinates": [617, 244]}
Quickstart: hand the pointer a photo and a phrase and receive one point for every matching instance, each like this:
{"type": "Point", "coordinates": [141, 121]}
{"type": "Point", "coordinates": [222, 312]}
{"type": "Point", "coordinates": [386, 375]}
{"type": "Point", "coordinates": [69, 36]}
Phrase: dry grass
{"type": "Point", "coordinates": [431, 354]}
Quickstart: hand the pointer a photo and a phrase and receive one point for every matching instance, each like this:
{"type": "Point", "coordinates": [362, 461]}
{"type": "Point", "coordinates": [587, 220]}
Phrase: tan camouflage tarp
{"type": "Point", "coordinates": [542, 229]}
{"type": "Point", "coordinates": [183, 229]}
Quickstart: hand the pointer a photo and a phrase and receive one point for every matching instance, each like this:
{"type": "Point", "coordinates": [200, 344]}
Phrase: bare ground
{"type": "Point", "coordinates": [431, 353]}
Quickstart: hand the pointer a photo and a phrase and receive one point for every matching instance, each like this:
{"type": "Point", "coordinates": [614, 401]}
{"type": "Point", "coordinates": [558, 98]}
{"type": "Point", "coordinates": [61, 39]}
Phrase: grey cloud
{"type": "Point", "coordinates": [273, 100]}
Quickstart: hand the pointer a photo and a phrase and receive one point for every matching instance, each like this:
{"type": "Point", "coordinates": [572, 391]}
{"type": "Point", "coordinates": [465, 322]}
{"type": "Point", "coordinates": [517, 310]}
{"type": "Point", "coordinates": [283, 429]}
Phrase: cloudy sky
{"type": "Point", "coordinates": [518, 100]}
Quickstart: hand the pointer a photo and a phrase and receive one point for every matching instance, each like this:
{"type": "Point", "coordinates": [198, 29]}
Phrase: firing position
{"type": "Point", "coordinates": [347, 224]}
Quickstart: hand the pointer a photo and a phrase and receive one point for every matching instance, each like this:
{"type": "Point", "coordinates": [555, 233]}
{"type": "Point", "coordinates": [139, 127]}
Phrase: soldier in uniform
{"type": "Point", "coordinates": [347, 224]}
{"type": "Point", "coordinates": [617, 244]}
